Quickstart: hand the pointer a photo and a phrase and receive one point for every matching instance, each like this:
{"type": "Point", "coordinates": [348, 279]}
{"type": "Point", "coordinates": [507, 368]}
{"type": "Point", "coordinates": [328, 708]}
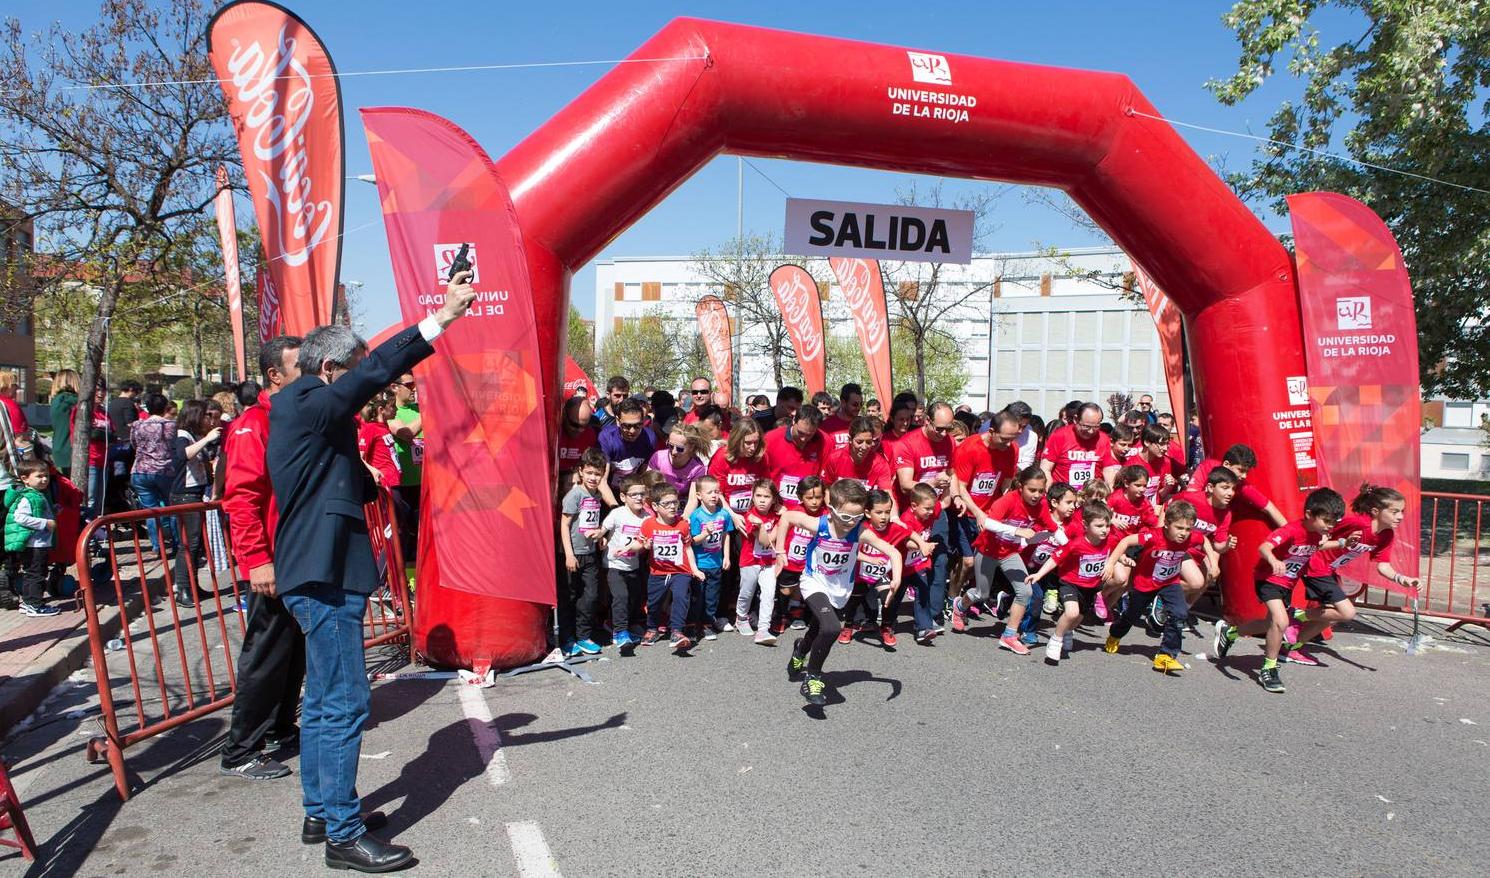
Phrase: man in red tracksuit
{"type": "Point", "coordinates": [271, 664]}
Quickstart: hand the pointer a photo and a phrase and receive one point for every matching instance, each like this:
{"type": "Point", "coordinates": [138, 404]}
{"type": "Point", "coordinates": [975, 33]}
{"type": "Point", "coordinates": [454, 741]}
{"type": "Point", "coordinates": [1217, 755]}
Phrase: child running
{"type": "Point", "coordinates": [673, 569]}
{"type": "Point", "coordinates": [711, 525]}
{"type": "Point", "coordinates": [1059, 526]}
{"type": "Point", "coordinates": [1080, 565]}
{"type": "Point", "coordinates": [784, 575]}
{"type": "Point", "coordinates": [1012, 524]}
{"type": "Point", "coordinates": [921, 570]}
{"type": "Point", "coordinates": [628, 578]}
{"type": "Point", "coordinates": [873, 572]}
{"type": "Point", "coordinates": [827, 579]}
{"type": "Point", "coordinates": [757, 553]}
{"type": "Point", "coordinates": [1164, 554]}
{"type": "Point", "coordinates": [1285, 555]}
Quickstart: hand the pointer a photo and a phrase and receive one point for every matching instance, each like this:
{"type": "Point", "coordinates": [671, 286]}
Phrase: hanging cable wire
{"type": "Point", "coordinates": [400, 71]}
{"type": "Point", "coordinates": [1309, 149]}
{"type": "Point", "coordinates": [765, 176]}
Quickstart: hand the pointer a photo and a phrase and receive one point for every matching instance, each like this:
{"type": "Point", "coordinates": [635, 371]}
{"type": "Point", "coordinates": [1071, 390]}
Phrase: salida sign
{"type": "Point", "coordinates": [893, 232]}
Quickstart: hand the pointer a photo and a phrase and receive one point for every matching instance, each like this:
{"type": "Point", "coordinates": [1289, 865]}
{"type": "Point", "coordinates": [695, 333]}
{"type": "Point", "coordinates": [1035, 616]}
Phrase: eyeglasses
{"type": "Point", "coordinates": [637, 495]}
{"type": "Point", "coordinates": [408, 384]}
{"type": "Point", "coordinates": [1145, 405]}
{"type": "Point", "coordinates": [666, 504]}
{"type": "Point", "coordinates": [629, 428]}
{"type": "Point", "coordinates": [845, 518]}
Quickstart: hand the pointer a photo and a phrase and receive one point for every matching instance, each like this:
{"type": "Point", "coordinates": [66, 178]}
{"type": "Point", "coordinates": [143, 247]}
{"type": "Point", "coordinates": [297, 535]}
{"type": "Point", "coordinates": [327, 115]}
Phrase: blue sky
{"type": "Point", "coordinates": [1168, 48]}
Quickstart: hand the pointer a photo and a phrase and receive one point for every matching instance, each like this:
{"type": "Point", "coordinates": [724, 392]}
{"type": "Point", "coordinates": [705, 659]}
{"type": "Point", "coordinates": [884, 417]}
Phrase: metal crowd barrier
{"type": "Point", "coordinates": [181, 661]}
{"type": "Point", "coordinates": [1454, 565]}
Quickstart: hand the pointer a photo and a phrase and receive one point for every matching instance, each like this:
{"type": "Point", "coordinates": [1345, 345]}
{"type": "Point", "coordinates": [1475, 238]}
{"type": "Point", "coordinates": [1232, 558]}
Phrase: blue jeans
{"type": "Point", "coordinates": [154, 489]}
{"type": "Point", "coordinates": [705, 603]}
{"type": "Point", "coordinates": [335, 707]}
{"type": "Point", "coordinates": [95, 490]}
{"type": "Point", "coordinates": [658, 587]}
{"type": "Point", "coordinates": [931, 590]}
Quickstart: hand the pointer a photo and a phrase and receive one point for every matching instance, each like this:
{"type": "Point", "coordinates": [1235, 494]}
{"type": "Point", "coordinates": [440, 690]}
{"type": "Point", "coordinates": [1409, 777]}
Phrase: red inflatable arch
{"type": "Point", "coordinates": [622, 146]}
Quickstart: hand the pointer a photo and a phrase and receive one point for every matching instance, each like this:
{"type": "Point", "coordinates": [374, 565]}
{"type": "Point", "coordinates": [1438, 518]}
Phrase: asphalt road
{"type": "Point", "coordinates": [952, 760]}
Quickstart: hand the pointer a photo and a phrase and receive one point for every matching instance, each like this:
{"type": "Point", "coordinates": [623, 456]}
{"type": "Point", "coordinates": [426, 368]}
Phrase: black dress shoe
{"type": "Point", "coordinates": [367, 853]}
{"type": "Point", "coordinates": [313, 830]}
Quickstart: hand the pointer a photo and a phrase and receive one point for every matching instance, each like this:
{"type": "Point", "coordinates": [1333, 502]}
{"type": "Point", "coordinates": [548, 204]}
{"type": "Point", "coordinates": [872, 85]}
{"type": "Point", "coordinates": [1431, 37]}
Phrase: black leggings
{"type": "Point", "coordinates": [822, 632]}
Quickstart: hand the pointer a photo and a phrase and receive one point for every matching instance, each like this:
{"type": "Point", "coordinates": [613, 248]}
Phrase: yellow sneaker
{"type": "Point", "coordinates": [1167, 663]}
{"type": "Point", "coordinates": [1111, 646]}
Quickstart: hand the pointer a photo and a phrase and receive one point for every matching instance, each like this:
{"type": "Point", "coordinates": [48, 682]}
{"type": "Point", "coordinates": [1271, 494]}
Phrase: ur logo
{"type": "Point", "coordinates": [1353, 312]}
{"type": "Point", "coordinates": [445, 256]}
{"type": "Point", "coordinates": [929, 68]}
{"type": "Point", "coordinates": [1298, 390]}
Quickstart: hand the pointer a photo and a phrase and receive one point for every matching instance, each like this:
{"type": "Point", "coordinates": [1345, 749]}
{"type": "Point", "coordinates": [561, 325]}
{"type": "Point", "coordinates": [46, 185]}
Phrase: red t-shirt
{"type": "Point", "coordinates": [1212, 522]}
{"type": "Point", "coordinates": [1157, 470]}
{"type": "Point", "coordinates": [872, 472]}
{"type": "Point", "coordinates": [1129, 518]}
{"type": "Point", "coordinates": [1159, 562]}
{"type": "Point", "coordinates": [1075, 459]}
{"type": "Point", "coordinates": [757, 551]}
{"type": "Point", "coordinates": [926, 458]}
{"type": "Point", "coordinates": [789, 465]}
{"type": "Point", "coordinates": [1036, 553]}
{"type": "Point", "coordinates": [1011, 510]}
{"type": "Point", "coordinates": [1377, 545]}
{"type": "Point", "coordinates": [1294, 545]}
{"type": "Point", "coordinates": [874, 565]}
{"type": "Point", "coordinates": [1080, 562]}
{"type": "Point", "coordinates": [572, 447]}
{"type": "Point", "coordinates": [669, 545]}
{"type": "Point", "coordinates": [836, 429]}
{"type": "Point", "coordinates": [984, 472]}
{"type": "Point", "coordinates": [1111, 459]}
{"type": "Point", "coordinates": [1253, 499]}
{"type": "Point", "coordinates": [737, 479]}
{"type": "Point", "coordinates": [914, 560]}
{"type": "Point", "coordinates": [375, 444]}
{"type": "Point", "coordinates": [796, 548]}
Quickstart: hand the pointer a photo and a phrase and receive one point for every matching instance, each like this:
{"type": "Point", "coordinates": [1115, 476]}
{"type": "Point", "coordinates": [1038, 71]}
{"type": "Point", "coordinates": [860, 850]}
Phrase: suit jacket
{"type": "Point", "coordinates": [320, 483]}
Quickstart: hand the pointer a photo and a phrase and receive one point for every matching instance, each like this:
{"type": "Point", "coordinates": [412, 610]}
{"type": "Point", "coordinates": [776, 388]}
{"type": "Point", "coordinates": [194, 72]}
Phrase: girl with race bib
{"type": "Point", "coordinates": [872, 577]}
{"type": "Point", "coordinates": [758, 553]}
{"type": "Point", "coordinates": [922, 571]}
{"type": "Point", "coordinates": [827, 578]}
{"type": "Point", "coordinates": [1059, 526]}
{"type": "Point", "coordinates": [1079, 565]}
{"type": "Point", "coordinates": [1016, 519]}
{"type": "Point", "coordinates": [785, 573]}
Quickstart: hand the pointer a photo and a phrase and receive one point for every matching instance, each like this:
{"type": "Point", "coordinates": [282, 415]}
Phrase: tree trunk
{"type": "Point", "coordinates": [920, 345]}
{"type": "Point", "coordinates": [197, 369]}
{"type": "Point", "coordinates": [89, 377]}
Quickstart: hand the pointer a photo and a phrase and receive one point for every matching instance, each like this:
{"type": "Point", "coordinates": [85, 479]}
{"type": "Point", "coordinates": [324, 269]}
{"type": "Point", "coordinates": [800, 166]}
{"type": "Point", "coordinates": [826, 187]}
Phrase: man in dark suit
{"type": "Point", "coordinates": [323, 562]}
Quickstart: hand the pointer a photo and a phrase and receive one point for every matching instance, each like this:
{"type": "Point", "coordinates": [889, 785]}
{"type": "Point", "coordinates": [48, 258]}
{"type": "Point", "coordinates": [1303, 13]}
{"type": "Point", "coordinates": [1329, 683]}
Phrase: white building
{"type": "Point", "coordinates": [1046, 332]}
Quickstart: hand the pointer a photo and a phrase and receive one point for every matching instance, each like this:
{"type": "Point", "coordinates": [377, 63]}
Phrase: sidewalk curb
{"type": "Point", "coordinates": [20, 696]}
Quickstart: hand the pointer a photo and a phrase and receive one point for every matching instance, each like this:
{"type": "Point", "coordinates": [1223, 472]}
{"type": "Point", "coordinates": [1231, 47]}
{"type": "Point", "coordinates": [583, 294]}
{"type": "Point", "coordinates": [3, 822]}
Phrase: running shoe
{"type": "Point", "coordinates": [1001, 604]}
{"type": "Point", "coordinates": [38, 610]}
{"type": "Point", "coordinates": [846, 634]}
{"type": "Point", "coordinates": [722, 625]}
{"type": "Point", "coordinates": [1029, 638]}
{"type": "Point", "coordinates": [815, 690]}
{"type": "Point", "coordinates": [680, 642]}
{"type": "Point", "coordinates": [743, 626]}
{"type": "Point", "coordinates": [1111, 646]}
{"type": "Point", "coordinates": [765, 638]}
{"type": "Point", "coordinates": [796, 664]}
{"type": "Point", "coordinates": [1299, 657]}
{"type": "Point", "coordinates": [798, 625]}
{"type": "Point", "coordinates": [1167, 663]}
{"type": "Point", "coordinates": [1290, 635]}
{"type": "Point", "coordinates": [626, 644]}
{"type": "Point", "coordinates": [1099, 606]}
{"type": "Point", "coordinates": [1271, 680]}
{"type": "Point", "coordinates": [887, 635]}
{"type": "Point", "coordinates": [974, 610]}
{"type": "Point", "coordinates": [777, 627]}
{"type": "Point", "coordinates": [1222, 641]}
{"type": "Point", "coordinates": [959, 618]}
{"type": "Point", "coordinates": [925, 636]}
{"type": "Point", "coordinates": [1053, 652]}
{"type": "Point", "coordinates": [709, 633]}
{"type": "Point", "coordinates": [588, 647]}
{"type": "Point", "coordinates": [650, 637]}
{"type": "Point", "coordinates": [1013, 645]}
{"type": "Point", "coordinates": [569, 650]}
{"type": "Point", "coordinates": [256, 767]}
{"type": "Point", "coordinates": [1052, 601]}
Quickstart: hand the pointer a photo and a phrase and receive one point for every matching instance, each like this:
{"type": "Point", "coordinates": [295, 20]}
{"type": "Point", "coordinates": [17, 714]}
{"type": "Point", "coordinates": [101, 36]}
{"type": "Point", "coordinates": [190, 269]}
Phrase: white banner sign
{"type": "Point", "coordinates": [892, 232]}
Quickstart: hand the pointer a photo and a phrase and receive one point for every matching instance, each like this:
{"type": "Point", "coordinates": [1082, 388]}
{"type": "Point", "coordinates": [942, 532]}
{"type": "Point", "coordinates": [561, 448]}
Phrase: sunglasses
{"type": "Point", "coordinates": [942, 430]}
{"type": "Point", "coordinates": [629, 428]}
{"type": "Point", "coordinates": [408, 384]}
{"type": "Point", "coordinates": [844, 517]}
{"type": "Point", "coordinates": [704, 392]}
{"type": "Point", "coordinates": [678, 449]}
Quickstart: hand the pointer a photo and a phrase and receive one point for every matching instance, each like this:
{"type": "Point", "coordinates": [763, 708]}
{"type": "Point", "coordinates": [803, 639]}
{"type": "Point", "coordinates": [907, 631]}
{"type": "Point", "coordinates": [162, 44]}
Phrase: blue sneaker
{"type": "Point", "coordinates": [570, 650]}
{"type": "Point", "coordinates": [621, 639]}
{"type": "Point", "coordinates": [588, 647]}
{"type": "Point", "coordinates": [1029, 638]}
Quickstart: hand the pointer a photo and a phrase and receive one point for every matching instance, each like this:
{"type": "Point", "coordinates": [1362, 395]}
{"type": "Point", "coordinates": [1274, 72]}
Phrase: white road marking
{"type": "Point", "coordinates": [488, 739]}
{"type": "Point", "coordinates": [534, 859]}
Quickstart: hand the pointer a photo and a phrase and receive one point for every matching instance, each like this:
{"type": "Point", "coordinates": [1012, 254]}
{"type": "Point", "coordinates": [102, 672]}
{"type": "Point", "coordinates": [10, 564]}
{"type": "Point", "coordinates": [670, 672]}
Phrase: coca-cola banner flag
{"type": "Point", "coordinates": [227, 230]}
{"type": "Point", "coordinates": [714, 329]}
{"type": "Point", "coordinates": [1171, 328]}
{"type": "Point", "coordinates": [487, 463]}
{"type": "Point", "coordinates": [1361, 349]}
{"type": "Point", "coordinates": [864, 290]}
{"type": "Point", "coordinates": [268, 305]}
{"type": "Point", "coordinates": [285, 103]}
{"type": "Point", "coordinates": [576, 379]}
{"type": "Point", "coordinates": [802, 309]}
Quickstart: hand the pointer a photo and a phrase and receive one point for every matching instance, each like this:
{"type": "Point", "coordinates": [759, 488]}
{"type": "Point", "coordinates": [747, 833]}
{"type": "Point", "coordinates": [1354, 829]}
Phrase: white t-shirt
{"type": "Point", "coordinates": [622, 524]}
{"type": "Point", "coordinates": [1025, 443]}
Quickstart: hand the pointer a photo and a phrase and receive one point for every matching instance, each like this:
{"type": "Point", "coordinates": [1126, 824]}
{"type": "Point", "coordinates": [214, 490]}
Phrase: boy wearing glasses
{"type": "Point", "coordinates": [623, 558]}
{"type": "Point", "coordinates": [1072, 456]}
{"type": "Point", "coordinates": [672, 570]}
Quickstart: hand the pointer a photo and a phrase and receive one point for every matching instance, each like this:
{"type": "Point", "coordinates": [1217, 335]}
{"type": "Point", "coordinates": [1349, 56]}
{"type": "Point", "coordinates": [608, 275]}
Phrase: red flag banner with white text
{"type": "Point", "coordinates": [285, 103]}
{"type": "Point", "coordinates": [802, 309]}
{"type": "Point", "coordinates": [865, 291]}
{"type": "Point", "coordinates": [487, 464]}
{"type": "Point", "coordinates": [576, 378]}
{"type": "Point", "coordinates": [714, 329]}
{"type": "Point", "coordinates": [1361, 347]}
{"type": "Point", "coordinates": [227, 230]}
{"type": "Point", "coordinates": [268, 305]}
{"type": "Point", "coordinates": [1171, 328]}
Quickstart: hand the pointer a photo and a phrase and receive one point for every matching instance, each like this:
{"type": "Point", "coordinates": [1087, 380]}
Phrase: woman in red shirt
{"type": "Point", "coordinates": [739, 465]}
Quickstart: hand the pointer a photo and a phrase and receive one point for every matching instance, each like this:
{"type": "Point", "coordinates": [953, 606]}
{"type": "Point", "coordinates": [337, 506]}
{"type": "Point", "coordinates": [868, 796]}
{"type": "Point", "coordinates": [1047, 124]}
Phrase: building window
{"type": "Point", "coordinates": [620, 292]}
{"type": "Point", "coordinates": [1458, 414]}
{"type": "Point", "coordinates": [1454, 461]}
{"type": "Point", "coordinates": [652, 291]}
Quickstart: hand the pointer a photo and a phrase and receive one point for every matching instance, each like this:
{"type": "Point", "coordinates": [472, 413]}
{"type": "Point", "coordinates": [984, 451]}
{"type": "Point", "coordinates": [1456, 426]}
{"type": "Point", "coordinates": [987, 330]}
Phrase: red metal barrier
{"type": "Point", "coordinates": [1453, 586]}
{"type": "Point", "coordinates": [186, 676]}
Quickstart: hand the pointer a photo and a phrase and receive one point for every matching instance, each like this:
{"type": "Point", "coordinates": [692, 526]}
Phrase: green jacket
{"type": "Point", "coordinates": [62, 412]}
{"type": "Point", "coordinates": [16, 534]}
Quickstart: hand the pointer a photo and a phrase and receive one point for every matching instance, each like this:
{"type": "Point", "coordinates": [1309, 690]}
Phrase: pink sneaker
{"type": "Point", "coordinates": [974, 610]}
{"type": "Point", "coordinates": [1291, 633]}
{"type": "Point", "coordinates": [1099, 607]}
{"type": "Point", "coordinates": [1298, 657]}
{"type": "Point", "coordinates": [959, 619]}
{"type": "Point", "coordinates": [1011, 643]}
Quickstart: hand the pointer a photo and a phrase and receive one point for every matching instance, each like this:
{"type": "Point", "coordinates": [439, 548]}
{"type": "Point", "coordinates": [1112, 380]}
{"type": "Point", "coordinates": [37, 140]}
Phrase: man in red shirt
{"type": "Point", "coordinates": [575, 437]}
{"type": "Point", "coordinates": [983, 467]}
{"type": "Point", "coordinates": [795, 452]}
{"type": "Point", "coordinates": [701, 390]}
{"type": "Point", "coordinates": [1072, 455]}
{"type": "Point", "coordinates": [836, 426]}
{"type": "Point", "coordinates": [925, 455]}
{"type": "Point", "coordinates": [271, 662]}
